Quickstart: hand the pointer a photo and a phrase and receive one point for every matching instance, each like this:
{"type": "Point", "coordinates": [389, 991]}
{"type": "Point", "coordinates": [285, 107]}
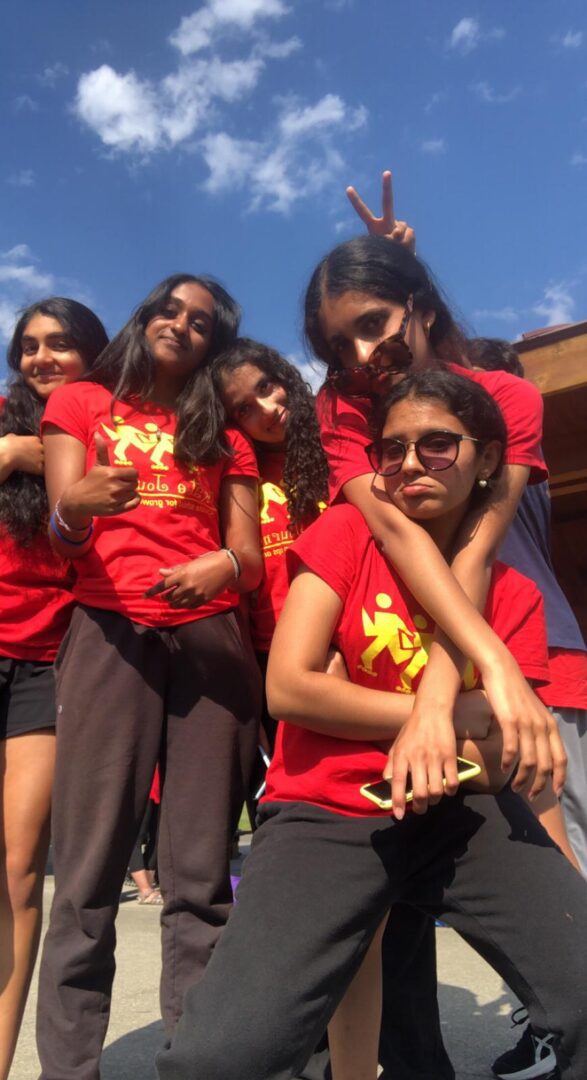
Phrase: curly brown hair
{"type": "Point", "coordinates": [305, 471]}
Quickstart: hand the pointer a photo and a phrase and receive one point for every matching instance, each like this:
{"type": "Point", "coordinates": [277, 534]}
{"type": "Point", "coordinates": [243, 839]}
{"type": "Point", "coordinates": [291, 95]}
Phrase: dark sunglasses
{"type": "Point", "coordinates": [436, 451]}
{"type": "Point", "coordinates": [390, 357]}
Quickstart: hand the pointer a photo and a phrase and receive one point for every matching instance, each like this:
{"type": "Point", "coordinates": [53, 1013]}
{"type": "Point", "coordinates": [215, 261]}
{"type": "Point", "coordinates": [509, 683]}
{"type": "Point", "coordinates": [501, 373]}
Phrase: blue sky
{"type": "Point", "coordinates": [141, 139]}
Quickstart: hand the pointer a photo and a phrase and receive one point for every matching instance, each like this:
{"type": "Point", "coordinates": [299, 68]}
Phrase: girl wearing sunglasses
{"type": "Point", "coordinates": [372, 304]}
{"type": "Point", "coordinates": [326, 862]}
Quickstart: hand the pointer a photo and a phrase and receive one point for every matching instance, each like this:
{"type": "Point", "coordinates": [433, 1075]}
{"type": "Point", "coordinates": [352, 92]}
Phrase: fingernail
{"type": "Point", "coordinates": [398, 814]}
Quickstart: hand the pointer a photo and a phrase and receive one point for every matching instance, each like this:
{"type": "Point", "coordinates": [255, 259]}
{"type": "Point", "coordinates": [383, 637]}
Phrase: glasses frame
{"type": "Point", "coordinates": [372, 370]}
{"type": "Point", "coordinates": [373, 451]}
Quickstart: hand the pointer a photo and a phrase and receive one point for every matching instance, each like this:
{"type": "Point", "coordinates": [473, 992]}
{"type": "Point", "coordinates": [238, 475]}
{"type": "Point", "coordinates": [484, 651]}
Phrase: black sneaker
{"type": "Point", "coordinates": [532, 1059]}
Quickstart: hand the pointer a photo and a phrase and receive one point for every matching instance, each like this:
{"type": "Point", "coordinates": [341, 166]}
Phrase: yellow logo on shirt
{"type": "Point", "coordinates": [151, 441]}
{"type": "Point", "coordinates": [161, 490]}
{"type": "Point", "coordinates": [408, 649]}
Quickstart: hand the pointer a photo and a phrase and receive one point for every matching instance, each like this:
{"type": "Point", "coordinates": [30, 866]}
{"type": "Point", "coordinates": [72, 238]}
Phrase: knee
{"type": "Point", "coordinates": [24, 879]}
{"type": "Point", "coordinates": [192, 1058]}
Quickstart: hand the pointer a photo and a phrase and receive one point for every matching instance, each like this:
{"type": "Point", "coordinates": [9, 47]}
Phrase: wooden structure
{"type": "Point", "coordinates": [555, 361]}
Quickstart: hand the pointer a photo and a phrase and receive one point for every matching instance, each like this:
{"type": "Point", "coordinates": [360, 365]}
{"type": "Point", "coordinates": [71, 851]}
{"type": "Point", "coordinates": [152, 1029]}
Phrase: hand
{"type": "Point", "coordinates": [529, 731]}
{"type": "Point", "coordinates": [21, 452]}
{"type": "Point", "coordinates": [426, 747]}
{"type": "Point", "coordinates": [104, 491]}
{"type": "Point", "coordinates": [386, 225]}
{"type": "Point", "coordinates": [197, 582]}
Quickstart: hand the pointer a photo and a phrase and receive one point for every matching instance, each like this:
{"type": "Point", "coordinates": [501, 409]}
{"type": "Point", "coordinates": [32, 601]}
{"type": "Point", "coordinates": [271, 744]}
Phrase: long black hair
{"type": "Point", "coordinates": [465, 399]}
{"type": "Point", "coordinates": [23, 500]}
{"type": "Point", "coordinates": [305, 470]}
{"type": "Point", "coordinates": [127, 368]}
{"type": "Point", "coordinates": [382, 268]}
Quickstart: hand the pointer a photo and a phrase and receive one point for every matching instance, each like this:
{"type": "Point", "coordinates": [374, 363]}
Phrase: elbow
{"type": "Point", "coordinates": [251, 571]}
{"type": "Point", "coordinates": [279, 695]}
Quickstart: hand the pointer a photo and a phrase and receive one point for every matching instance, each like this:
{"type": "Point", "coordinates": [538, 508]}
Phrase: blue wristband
{"type": "Point", "coordinates": [66, 539]}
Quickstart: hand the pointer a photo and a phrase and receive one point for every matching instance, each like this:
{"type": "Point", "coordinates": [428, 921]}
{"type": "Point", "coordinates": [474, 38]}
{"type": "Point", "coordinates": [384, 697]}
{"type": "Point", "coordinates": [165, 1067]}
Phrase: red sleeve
{"type": "Point", "coordinates": [67, 410]}
{"type": "Point", "coordinates": [515, 611]}
{"type": "Point", "coordinates": [332, 548]}
{"type": "Point", "coordinates": [344, 433]}
{"type": "Point", "coordinates": [243, 461]}
{"type": "Point", "coordinates": [522, 409]}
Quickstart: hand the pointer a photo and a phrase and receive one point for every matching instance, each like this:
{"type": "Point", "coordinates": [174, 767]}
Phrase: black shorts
{"type": "Point", "coordinates": [27, 696]}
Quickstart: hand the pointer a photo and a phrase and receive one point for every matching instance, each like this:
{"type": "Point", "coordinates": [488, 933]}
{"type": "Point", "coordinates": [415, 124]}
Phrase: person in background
{"type": "Point", "coordinates": [157, 505]}
{"type": "Point", "coordinates": [142, 867]}
{"type": "Point", "coordinates": [267, 398]}
{"type": "Point", "coordinates": [55, 341]}
{"type": "Point", "coordinates": [526, 547]}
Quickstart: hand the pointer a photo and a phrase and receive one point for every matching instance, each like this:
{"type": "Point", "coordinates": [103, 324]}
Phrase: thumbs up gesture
{"type": "Point", "coordinates": [102, 452]}
{"type": "Point", "coordinates": [104, 491]}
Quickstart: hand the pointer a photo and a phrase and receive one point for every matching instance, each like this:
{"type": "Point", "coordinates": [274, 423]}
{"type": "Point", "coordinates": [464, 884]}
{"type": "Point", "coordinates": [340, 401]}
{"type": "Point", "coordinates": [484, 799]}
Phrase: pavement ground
{"type": "Point", "coordinates": [475, 1004]}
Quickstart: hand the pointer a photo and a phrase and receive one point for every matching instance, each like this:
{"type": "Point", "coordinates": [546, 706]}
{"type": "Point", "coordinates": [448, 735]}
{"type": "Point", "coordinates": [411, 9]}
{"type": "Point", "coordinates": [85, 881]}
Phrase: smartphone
{"type": "Point", "coordinates": [380, 792]}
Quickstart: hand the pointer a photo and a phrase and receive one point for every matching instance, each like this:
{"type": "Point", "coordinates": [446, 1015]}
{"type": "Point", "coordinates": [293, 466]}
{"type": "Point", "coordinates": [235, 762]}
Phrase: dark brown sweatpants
{"type": "Point", "coordinates": [125, 693]}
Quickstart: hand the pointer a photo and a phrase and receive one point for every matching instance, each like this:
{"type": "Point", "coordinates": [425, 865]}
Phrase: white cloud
{"type": "Point", "coordinates": [329, 111]}
{"type": "Point", "coordinates": [277, 50]}
{"type": "Point", "coordinates": [23, 178]}
{"type": "Point", "coordinates": [24, 103]}
{"type": "Point", "coordinates": [293, 158]}
{"type": "Point", "coordinates": [8, 313]}
{"type": "Point", "coordinates": [433, 146]}
{"type": "Point", "coordinates": [135, 115]}
{"type": "Point", "coordinates": [556, 305]}
{"type": "Point", "coordinates": [504, 314]}
{"type": "Point", "coordinates": [288, 165]}
{"type": "Point", "coordinates": [468, 35]}
{"type": "Point", "coordinates": [465, 35]}
{"type": "Point", "coordinates": [50, 75]}
{"type": "Point", "coordinates": [20, 282]}
{"type": "Point", "coordinates": [198, 31]}
{"type": "Point", "coordinates": [434, 100]}
{"type": "Point", "coordinates": [121, 109]}
{"type": "Point", "coordinates": [579, 159]}
{"type": "Point", "coordinates": [573, 39]}
{"type": "Point", "coordinates": [26, 276]}
{"type": "Point", "coordinates": [487, 93]}
{"type": "Point", "coordinates": [18, 252]}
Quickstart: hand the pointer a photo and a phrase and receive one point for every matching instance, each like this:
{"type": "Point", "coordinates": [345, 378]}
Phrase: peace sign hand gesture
{"type": "Point", "coordinates": [386, 225]}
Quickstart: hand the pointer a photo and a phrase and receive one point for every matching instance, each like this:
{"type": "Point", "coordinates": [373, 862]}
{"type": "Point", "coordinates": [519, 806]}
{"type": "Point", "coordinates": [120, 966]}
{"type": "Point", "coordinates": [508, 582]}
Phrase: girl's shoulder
{"type": "Point", "coordinates": [340, 526]}
{"type": "Point", "coordinates": [79, 393]}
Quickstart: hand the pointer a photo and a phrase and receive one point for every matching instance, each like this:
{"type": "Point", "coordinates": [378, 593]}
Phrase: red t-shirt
{"type": "Point", "coordinates": [567, 685]}
{"type": "Point", "coordinates": [35, 597]}
{"type": "Point", "coordinates": [36, 603]}
{"type": "Point", "coordinates": [345, 430]}
{"type": "Point", "coordinates": [177, 518]}
{"type": "Point", "coordinates": [267, 602]}
{"type": "Point", "coordinates": [384, 637]}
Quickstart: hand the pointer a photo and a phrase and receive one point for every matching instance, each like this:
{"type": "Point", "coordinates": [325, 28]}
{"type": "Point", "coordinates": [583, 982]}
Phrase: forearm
{"type": "Point", "coordinates": [251, 567]}
{"type": "Point", "coordinates": [332, 706]}
{"type": "Point", "coordinates": [70, 534]}
{"type": "Point", "coordinates": [6, 460]}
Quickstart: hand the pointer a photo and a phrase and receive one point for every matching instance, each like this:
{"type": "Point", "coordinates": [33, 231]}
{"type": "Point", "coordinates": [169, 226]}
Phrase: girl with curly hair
{"type": "Point", "coordinates": [268, 399]}
{"type": "Point", "coordinates": [55, 342]}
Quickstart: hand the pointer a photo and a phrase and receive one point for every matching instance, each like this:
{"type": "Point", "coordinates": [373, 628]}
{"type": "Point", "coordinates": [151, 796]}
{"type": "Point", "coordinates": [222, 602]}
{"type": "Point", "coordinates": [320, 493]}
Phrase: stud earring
{"type": "Point", "coordinates": [482, 483]}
